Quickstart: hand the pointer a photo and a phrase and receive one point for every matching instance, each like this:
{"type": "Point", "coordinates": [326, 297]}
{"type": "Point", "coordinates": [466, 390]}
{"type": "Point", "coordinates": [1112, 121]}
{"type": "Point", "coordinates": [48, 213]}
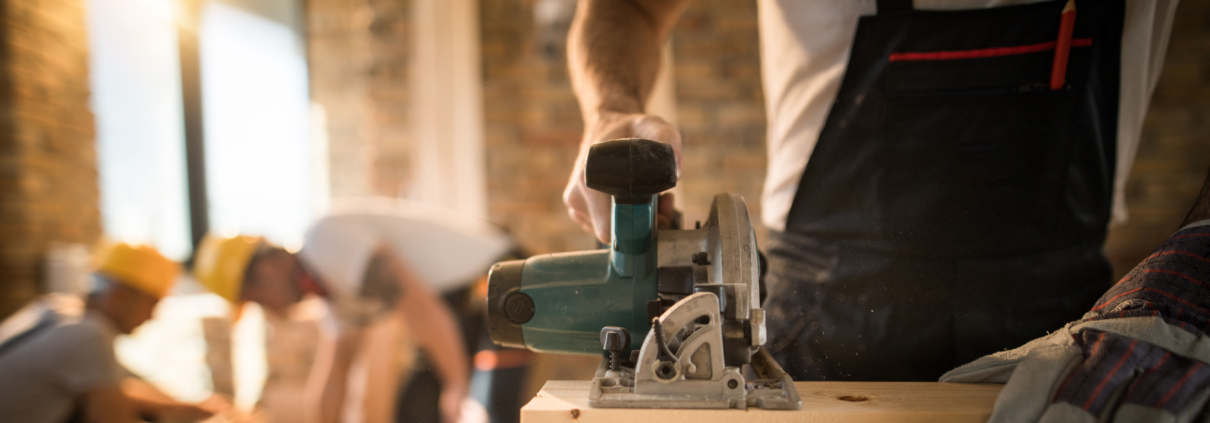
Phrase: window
{"type": "Point", "coordinates": [259, 161]}
{"type": "Point", "coordinates": [136, 99]}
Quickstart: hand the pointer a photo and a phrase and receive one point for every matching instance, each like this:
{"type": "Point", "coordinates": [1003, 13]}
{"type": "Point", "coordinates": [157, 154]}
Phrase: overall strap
{"type": "Point", "coordinates": [894, 6]}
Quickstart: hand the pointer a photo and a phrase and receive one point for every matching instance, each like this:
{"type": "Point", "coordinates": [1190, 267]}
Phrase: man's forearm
{"type": "Point", "coordinates": [431, 322]}
{"type": "Point", "coordinates": [330, 373]}
{"type": "Point", "coordinates": [437, 332]}
{"type": "Point", "coordinates": [614, 52]}
{"type": "Point", "coordinates": [1201, 206]}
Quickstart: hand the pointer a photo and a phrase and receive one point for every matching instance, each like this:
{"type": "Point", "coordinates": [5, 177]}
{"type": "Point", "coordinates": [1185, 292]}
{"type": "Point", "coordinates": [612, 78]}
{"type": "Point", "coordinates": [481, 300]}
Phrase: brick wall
{"type": "Point", "coordinates": [48, 176]}
{"type": "Point", "coordinates": [1174, 153]}
{"type": "Point", "coordinates": [720, 106]}
{"type": "Point", "coordinates": [357, 54]}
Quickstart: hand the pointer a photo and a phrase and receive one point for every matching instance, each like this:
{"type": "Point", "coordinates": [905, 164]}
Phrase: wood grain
{"type": "Point", "coordinates": [567, 401]}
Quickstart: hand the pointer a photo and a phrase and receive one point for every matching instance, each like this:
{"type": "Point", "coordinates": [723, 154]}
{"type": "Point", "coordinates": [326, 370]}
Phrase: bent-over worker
{"type": "Point", "coordinates": [369, 259]}
{"type": "Point", "coordinates": [57, 361]}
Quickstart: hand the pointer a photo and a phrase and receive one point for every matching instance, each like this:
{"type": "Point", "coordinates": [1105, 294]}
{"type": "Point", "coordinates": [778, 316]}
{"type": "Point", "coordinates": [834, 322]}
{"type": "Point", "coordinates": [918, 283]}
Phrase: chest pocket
{"type": "Point", "coordinates": [946, 140]}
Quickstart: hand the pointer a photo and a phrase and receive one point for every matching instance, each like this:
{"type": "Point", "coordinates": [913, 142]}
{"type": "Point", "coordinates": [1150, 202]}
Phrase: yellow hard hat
{"type": "Point", "coordinates": [220, 263]}
{"type": "Point", "coordinates": [138, 266]}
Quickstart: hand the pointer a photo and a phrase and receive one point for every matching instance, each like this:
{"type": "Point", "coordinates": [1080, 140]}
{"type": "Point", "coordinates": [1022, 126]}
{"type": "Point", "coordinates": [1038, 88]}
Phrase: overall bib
{"type": "Point", "coordinates": [955, 205]}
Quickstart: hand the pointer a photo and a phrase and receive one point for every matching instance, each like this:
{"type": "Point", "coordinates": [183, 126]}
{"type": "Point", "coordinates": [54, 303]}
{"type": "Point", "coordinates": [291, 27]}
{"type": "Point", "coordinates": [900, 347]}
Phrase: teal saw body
{"type": "Point", "coordinates": [573, 295]}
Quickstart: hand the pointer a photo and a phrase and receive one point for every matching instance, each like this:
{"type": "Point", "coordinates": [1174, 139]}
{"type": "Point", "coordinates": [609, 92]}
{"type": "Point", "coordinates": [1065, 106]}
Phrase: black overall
{"type": "Point", "coordinates": [954, 205]}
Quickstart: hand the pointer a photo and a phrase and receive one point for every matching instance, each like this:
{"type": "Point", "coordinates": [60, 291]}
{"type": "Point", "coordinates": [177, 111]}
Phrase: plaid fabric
{"type": "Point", "coordinates": [1173, 284]}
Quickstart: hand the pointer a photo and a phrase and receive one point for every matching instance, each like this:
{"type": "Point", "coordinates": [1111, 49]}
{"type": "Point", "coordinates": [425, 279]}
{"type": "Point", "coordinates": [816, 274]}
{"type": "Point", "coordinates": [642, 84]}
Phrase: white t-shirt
{"type": "Point", "coordinates": [44, 374]}
{"type": "Point", "coordinates": [444, 248]}
{"type": "Point", "coordinates": [805, 49]}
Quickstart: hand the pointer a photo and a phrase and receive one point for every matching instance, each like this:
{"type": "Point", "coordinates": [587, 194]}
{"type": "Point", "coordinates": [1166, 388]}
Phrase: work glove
{"type": "Point", "coordinates": [1140, 354]}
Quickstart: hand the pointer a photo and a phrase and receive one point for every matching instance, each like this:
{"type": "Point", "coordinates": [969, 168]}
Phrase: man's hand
{"type": "Point", "coordinates": [217, 404]}
{"type": "Point", "coordinates": [149, 400]}
{"type": "Point", "coordinates": [591, 208]}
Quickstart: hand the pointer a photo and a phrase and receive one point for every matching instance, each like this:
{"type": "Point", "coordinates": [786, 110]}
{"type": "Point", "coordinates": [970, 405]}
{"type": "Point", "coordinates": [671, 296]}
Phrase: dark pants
{"type": "Point", "coordinates": [417, 401]}
{"type": "Point", "coordinates": [418, 397]}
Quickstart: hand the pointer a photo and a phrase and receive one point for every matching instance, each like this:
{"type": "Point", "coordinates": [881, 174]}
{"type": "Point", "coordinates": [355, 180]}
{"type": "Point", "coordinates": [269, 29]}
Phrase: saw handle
{"type": "Point", "coordinates": [631, 169]}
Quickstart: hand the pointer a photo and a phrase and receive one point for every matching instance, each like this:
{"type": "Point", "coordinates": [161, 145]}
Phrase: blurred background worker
{"type": "Point", "coordinates": [57, 358]}
{"type": "Point", "coordinates": [373, 261]}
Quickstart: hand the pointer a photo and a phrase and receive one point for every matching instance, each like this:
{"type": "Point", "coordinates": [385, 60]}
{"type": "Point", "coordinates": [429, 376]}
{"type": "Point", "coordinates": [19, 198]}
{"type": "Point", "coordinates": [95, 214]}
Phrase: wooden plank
{"type": "Point", "coordinates": [933, 402]}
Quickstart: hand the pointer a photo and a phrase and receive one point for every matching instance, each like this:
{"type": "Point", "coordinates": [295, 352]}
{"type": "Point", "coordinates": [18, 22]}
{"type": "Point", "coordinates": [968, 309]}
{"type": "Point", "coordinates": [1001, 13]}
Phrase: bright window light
{"type": "Point", "coordinates": [136, 98]}
{"type": "Point", "coordinates": [255, 106]}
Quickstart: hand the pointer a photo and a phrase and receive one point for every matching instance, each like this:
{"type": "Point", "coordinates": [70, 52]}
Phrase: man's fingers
{"type": "Point", "coordinates": [667, 204]}
{"type": "Point", "coordinates": [666, 214]}
{"type": "Point", "coordinates": [573, 198]}
{"type": "Point", "coordinates": [584, 221]}
{"type": "Point", "coordinates": [590, 209]}
{"type": "Point", "coordinates": [655, 128]}
{"type": "Point", "coordinates": [600, 210]}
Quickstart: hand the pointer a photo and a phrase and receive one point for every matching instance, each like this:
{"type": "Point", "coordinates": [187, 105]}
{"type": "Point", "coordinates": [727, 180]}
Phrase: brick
{"type": "Point", "coordinates": [358, 71]}
{"type": "Point", "coordinates": [48, 164]}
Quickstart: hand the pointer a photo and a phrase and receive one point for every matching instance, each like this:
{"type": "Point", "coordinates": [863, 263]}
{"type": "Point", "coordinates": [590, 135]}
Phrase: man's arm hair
{"type": "Point", "coordinates": [614, 52]}
{"type": "Point", "coordinates": [1201, 206]}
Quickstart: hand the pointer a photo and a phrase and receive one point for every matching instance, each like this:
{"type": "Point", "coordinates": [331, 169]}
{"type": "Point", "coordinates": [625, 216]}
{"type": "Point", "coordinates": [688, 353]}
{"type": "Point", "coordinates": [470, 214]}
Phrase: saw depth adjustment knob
{"type": "Point", "coordinates": [631, 169]}
{"type": "Point", "coordinates": [615, 340]}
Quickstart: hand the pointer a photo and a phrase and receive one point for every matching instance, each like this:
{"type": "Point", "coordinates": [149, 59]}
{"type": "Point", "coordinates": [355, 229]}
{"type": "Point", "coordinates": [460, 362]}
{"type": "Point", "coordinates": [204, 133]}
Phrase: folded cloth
{"type": "Point", "coordinates": [1140, 354]}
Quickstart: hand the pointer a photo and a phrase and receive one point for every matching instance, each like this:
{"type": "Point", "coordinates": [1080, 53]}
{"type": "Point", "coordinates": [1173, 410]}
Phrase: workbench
{"type": "Point", "coordinates": [933, 402]}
